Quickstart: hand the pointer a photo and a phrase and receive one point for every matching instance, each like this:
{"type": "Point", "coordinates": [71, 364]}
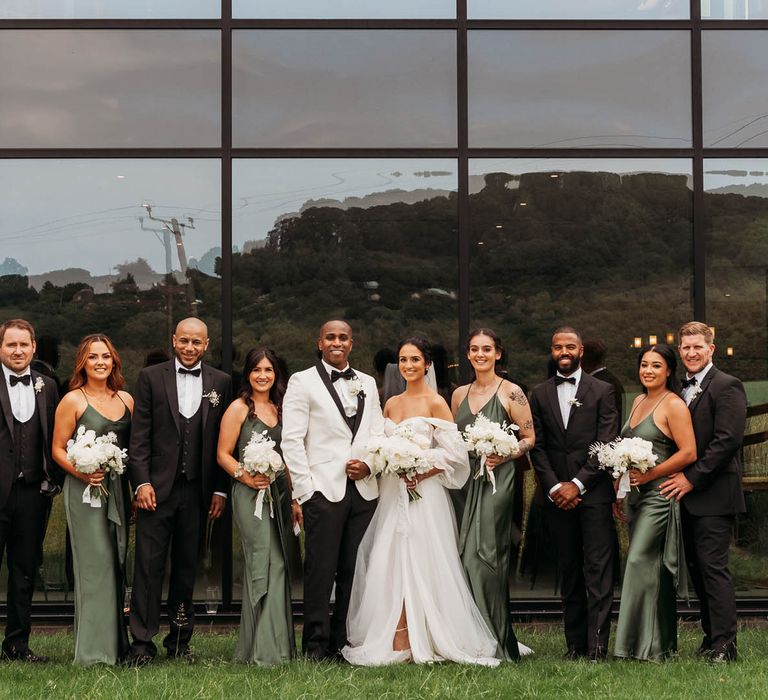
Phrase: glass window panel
{"type": "Point", "coordinates": [372, 241]}
{"type": "Point", "coordinates": [108, 9]}
{"type": "Point", "coordinates": [110, 88]}
{"type": "Point", "coordinates": [735, 98]}
{"type": "Point", "coordinates": [583, 9]}
{"type": "Point", "coordinates": [340, 88]}
{"type": "Point", "coordinates": [341, 9]}
{"type": "Point", "coordinates": [81, 254]}
{"type": "Point", "coordinates": [603, 245]}
{"type": "Point", "coordinates": [565, 89]}
{"type": "Point", "coordinates": [736, 200]}
{"type": "Point", "coordinates": [734, 9]}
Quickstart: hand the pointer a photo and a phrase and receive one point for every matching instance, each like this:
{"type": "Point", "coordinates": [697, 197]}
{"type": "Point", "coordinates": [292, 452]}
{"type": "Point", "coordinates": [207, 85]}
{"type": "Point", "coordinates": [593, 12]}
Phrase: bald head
{"type": "Point", "coordinates": [336, 324]}
{"type": "Point", "coordinates": [190, 341]}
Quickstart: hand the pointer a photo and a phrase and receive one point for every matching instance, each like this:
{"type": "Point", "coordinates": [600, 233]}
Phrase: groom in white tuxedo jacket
{"type": "Point", "coordinates": [330, 411]}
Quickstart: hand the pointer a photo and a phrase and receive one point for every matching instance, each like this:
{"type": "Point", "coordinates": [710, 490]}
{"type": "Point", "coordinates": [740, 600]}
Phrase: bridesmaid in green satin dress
{"type": "Point", "coordinates": [266, 625]}
{"type": "Point", "coordinates": [99, 535]}
{"type": "Point", "coordinates": [485, 518]}
{"type": "Point", "coordinates": [655, 573]}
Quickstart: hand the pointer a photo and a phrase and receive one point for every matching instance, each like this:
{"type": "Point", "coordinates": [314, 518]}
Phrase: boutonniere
{"type": "Point", "coordinates": [695, 393]}
{"type": "Point", "coordinates": [39, 385]}
{"type": "Point", "coordinates": [574, 402]}
{"type": "Point", "coordinates": [213, 396]}
{"type": "Point", "coordinates": [356, 387]}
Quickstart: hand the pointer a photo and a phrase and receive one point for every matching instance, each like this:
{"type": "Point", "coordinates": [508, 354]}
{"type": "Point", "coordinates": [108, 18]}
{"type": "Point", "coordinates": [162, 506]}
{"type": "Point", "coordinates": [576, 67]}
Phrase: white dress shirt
{"type": "Point", "coordinates": [22, 396]}
{"type": "Point", "coordinates": [341, 386]}
{"type": "Point", "coordinates": [690, 391]}
{"type": "Point", "coordinates": [566, 392]}
{"type": "Point", "coordinates": [189, 389]}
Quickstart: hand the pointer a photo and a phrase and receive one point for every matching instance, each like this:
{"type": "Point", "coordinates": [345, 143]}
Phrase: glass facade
{"type": "Point", "coordinates": [413, 167]}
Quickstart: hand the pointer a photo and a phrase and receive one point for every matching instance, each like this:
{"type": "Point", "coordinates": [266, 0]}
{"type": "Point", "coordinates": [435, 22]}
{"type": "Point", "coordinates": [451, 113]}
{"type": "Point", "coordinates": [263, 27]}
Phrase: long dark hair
{"type": "Point", "coordinates": [502, 361]}
{"type": "Point", "coordinates": [669, 357]}
{"type": "Point", "coordinates": [115, 380]}
{"type": "Point", "coordinates": [277, 392]}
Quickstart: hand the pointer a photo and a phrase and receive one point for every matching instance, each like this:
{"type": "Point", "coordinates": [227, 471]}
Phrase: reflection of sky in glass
{"type": "Point", "coordinates": [578, 9]}
{"type": "Point", "coordinates": [112, 9]}
{"type": "Point", "coordinates": [263, 190]}
{"type": "Point", "coordinates": [748, 176]}
{"type": "Point", "coordinates": [85, 213]}
{"type": "Point", "coordinates": [344, 9]}
{"type": "Point", "coordinates": [561, 89]}
{"type": "Point", "coordinates": [730, 9]}
{"type": "Point", "coordinates": [735, 99]}
{"type": "Point", "coordinates": [622, 166]}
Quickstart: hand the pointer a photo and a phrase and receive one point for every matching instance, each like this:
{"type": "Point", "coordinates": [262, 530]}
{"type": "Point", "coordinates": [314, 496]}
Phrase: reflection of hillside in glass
{"type": "Point", "coordinates": [608, 253]}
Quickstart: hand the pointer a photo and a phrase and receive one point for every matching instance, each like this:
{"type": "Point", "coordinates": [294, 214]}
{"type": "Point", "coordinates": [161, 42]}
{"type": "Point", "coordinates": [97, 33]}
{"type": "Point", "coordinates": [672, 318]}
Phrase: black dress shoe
{"type": "Point", "coordinates": [574, 654]}
{"type": "Point", "coordinates": [183, 653]}
{"type": "Point", "coordinates": [705, 648]}
{"type": "Point", "coordinates": [137, 660]}
{"type": "Point", "coordinates": [723, 655]}
{"type": "Point", "coordinates": [26, 655]}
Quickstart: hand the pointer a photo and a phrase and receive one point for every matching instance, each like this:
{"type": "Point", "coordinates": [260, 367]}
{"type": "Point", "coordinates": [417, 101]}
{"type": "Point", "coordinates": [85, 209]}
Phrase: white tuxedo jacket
{"type": "Point", "coordinates": [317, 439]}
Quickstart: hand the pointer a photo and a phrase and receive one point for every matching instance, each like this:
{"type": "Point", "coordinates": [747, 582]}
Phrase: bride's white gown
{"type": "Point", "coordinates": [409, 556]}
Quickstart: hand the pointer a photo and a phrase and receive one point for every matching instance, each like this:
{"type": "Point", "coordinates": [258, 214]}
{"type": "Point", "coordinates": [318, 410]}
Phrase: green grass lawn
{"type": "Point", "coordinates": [543, 676]}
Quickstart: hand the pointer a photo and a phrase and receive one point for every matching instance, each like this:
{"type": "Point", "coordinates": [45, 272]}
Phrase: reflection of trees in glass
{"type": "Point", "coordinates": [389, 270]}
{"type": "Point", "coordinates": [607, 253]}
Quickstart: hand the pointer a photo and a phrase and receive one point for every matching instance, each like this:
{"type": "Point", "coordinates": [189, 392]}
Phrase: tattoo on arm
{"type": "Point", "coordinates": [518, 397]}
{"type": "Point", "coordinates": [523, 446]}
{"type": "Point", "coordinates": [528, 425]}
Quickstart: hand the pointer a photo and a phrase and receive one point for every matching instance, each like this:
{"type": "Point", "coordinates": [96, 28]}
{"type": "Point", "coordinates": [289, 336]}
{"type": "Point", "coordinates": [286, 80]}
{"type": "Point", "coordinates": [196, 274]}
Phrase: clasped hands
{"type": "Point", "coordinates": [567, 497]}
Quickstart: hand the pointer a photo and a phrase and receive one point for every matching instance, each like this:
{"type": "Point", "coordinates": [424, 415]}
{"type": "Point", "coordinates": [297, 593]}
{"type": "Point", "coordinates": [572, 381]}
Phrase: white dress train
{"type": "Point", "coordinates": [409, 556]}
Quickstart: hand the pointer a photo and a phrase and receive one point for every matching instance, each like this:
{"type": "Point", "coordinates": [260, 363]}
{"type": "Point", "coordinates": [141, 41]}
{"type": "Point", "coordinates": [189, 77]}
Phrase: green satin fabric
{"type": "Point", "coordinates": [99, 539]}
{"type": "Point", "coordinates": [485, 534]}
{"type": "Point", "coordinates": [655, 574]}
{"type": "Point", "coordinates": [266, 627]}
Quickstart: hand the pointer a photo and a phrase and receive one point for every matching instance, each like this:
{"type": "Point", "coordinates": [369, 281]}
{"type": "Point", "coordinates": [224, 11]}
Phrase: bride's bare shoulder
{"type": "Point", "coordinates": [438, 408]}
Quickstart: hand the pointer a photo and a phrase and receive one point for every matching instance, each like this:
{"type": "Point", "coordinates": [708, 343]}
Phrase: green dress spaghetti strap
{"type": "Point", "coordinates": [266, 625]}
{"type": "Point", "coordinates": [485, 534]}
{"type": "Point", "coordinates": [655, 572]}
{"type": "Point", "coordinates": [99, 539]}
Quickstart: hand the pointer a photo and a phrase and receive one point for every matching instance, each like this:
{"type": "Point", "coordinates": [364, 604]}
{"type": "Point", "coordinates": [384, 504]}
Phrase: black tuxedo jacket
{"type": "Point", "coordinates": [719, 414]}
{"type": "Point", "coordinates": [153, 454]}
{"type": "Point", "coordinates": [46, 400]}
{"type": "Point", "coordinates": [562, 455]}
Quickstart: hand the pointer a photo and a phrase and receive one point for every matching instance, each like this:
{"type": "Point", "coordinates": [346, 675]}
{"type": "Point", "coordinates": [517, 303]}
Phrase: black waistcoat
{"type": "Point", "coordinates": [28, 448]}
{"type": "Point", "coordinates": [190, 454]}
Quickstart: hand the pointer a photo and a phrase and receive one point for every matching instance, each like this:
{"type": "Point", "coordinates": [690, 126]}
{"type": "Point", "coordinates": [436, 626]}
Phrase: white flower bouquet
{"type": "Point", "coordinates": [621, 455]}
{"type": "Point", "coordinates": [404, 453]}
{"type": "Point", "coordinates": [485, 437]}
{"type": "Point", "coordinates": [89, 454]}
{"type": "Point", "coordinates": [260, 457]}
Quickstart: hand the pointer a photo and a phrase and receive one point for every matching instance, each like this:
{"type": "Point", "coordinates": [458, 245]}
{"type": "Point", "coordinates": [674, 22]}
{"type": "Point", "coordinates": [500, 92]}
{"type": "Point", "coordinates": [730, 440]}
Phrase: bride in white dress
{"type": "Point", "coordinates": [410, 599]}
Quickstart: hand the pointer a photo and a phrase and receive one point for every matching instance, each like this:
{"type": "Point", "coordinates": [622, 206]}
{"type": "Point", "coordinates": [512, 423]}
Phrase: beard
{"type": "Point", "coordinates": [574, 364]}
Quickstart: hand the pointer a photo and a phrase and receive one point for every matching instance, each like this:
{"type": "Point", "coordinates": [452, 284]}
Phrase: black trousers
{"type": "Point", "coordinates": [585, 550]}
{"type": "Point", "coordinates": [21, 537]}
{"type": "Point", "coordinates": [176, 525]}
{"type": "Point", "coordinates": [706, 540]}
{"type": "Point", "coordinates": [332, 535]}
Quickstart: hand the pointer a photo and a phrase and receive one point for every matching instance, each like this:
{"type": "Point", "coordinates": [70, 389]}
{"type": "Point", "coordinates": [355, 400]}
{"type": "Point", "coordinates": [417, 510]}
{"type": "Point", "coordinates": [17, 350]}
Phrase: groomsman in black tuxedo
{"type": "Point", "coordinates": [28, 403]}
{"type": "Point", "coordinates": [172, 466]}
{"type": "Point", "coordinates": [572, 410]}
{"type": "Point", "coordinates": [710, 489]}
{"type": "Point", "coordinates": [329, 413]}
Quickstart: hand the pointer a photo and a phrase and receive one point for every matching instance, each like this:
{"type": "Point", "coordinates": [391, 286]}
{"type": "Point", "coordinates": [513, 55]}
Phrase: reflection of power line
{"type": "Point", "coordinates": [741, 128]}
{"type": "Point", "coordinates": [175, 227]}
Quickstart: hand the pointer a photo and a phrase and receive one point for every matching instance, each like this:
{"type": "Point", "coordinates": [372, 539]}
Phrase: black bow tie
{"type": "Point", "coordinates": [560, 380]}
{"type": "Point", "coordinates": [346, 374]}
{"type": "Point", "coordinates": [689, 382]}
{"type": "Point", "coordinates": [193, 372]}
{"type": "Point", "coordinates": [25, 380]}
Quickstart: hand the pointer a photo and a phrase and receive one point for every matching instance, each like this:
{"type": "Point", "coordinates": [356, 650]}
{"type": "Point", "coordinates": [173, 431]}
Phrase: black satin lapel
{"type": "Point", "coordinates": [5, 402]}
{"type": "Point", "coordinates": [554, 403]}
{"type": "Point", "coordinates": [359, 414]}
{"type": "Point", "coordinates": [169, 380]}
{"type": "Point", "coordinates": [329, 385]}
{"type": "Point", "coordinates": [42, 407]}
{"type": "Point", "coordinates": [581, 392]}
{"type": "Point", "coordinates": [207, 382]}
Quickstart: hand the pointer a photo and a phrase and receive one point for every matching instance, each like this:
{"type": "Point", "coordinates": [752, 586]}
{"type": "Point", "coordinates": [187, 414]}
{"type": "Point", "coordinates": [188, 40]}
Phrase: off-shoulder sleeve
{"type": "Point", "coordinates": [449, 453]}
